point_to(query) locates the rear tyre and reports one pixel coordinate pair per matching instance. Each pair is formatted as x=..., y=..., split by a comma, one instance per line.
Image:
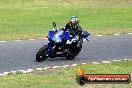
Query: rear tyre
x=42, y=54
x=73, y=53
x=70, y=55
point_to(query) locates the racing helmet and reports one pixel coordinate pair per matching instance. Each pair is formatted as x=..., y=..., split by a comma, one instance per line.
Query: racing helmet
x=74, y=22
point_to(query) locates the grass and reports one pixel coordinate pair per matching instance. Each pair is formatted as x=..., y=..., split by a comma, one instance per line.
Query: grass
x=65, y=78
x=23, y=19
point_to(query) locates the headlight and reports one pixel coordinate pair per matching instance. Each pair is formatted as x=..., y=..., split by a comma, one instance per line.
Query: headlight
x=57, y=40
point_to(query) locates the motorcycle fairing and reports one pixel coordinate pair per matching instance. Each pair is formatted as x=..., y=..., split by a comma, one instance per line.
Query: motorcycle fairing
x=85, y=34
x=67, y=35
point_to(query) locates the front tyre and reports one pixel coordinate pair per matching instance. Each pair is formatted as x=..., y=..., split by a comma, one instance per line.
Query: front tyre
x=42, y=54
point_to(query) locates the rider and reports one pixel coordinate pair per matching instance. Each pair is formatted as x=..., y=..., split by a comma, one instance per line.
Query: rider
x=73, y=27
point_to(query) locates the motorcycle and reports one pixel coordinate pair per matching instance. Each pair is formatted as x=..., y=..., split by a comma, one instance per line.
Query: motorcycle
x=58, y=46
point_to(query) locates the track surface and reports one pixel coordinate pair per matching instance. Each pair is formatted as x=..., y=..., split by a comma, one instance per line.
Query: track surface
x=21, y=55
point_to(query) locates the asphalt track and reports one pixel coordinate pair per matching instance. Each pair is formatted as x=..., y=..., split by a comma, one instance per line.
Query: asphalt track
x=21, y=55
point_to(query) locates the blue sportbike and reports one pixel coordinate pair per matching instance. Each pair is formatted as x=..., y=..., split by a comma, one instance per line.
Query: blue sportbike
x=61, y=44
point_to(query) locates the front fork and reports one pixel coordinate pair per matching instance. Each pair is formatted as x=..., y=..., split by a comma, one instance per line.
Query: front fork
x=50, y=48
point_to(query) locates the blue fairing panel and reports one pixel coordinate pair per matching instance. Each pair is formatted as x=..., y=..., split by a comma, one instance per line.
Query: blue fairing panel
x=66, y=35
x=85, y=34
x=51, y=33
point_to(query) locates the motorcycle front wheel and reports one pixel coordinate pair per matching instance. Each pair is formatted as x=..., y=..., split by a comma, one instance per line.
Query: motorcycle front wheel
x=42, y=54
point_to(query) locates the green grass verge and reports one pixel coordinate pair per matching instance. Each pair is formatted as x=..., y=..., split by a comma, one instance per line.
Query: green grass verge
x=23, y=19
x=65, y=78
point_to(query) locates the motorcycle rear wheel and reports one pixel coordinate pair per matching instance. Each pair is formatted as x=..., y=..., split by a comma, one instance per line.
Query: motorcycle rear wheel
x=73, y=54
x=69, y=57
